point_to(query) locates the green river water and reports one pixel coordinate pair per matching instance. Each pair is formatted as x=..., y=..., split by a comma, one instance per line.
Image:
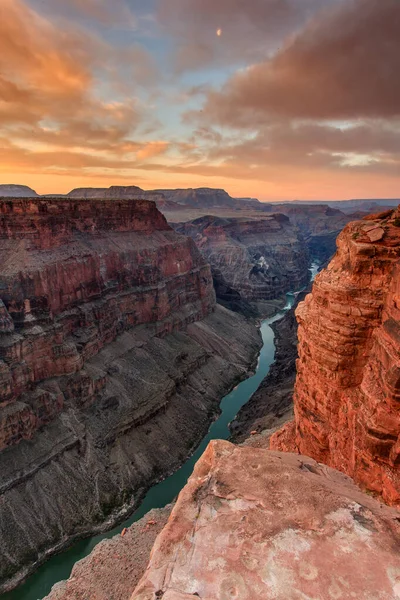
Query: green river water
x=59, y=566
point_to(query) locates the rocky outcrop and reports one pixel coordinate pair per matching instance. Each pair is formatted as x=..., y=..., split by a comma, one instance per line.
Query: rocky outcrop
x=115, y=566
x=113, y=359
x=252, y=261
x=347, y=389
x=258, y=525
x=16, y=191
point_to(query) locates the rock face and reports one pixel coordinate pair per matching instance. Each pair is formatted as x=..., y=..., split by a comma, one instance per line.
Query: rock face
x=17, y=191
x=252, y=261
x=258, y=525
x=115, y=566
x=319, y=225
x=113, y=360
x=347, y=389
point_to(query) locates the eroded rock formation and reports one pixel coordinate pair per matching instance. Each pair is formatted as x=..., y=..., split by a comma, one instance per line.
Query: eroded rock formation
x=347, y=393
x=319, y=225
x=252, y=261
x=258, y=525
x=113, y=359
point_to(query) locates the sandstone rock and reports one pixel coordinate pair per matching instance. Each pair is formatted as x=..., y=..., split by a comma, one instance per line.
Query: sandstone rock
x=116, y=366
x=259, y=260
x=258, y=525
x=348, y=374
x=115, y=566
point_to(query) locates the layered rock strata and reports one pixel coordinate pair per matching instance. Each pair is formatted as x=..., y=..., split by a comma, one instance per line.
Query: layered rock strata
x=319, y=225
x=252, y=261
x=347, y=392
x=113, y=359
x=231, y=534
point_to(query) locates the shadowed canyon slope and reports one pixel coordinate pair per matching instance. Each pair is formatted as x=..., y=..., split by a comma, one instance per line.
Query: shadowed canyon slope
x=252, y=261
x=231, y=535
x=319, y=225
x=347, y=389
x=113, y=359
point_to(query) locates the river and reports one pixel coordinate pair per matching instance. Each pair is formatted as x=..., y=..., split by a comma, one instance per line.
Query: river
x=59, y=566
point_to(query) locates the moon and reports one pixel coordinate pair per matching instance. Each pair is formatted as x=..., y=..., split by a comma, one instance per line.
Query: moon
x=219, y=32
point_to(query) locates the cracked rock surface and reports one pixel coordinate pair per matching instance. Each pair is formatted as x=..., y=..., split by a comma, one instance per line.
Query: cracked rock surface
x=254, y=524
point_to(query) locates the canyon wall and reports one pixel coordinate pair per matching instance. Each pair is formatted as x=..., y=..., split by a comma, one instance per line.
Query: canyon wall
x=347, y=392
x=252, y=261
x=113, y=359
x=318, y=224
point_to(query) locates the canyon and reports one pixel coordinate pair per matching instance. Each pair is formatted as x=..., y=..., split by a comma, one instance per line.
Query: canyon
x=347, y=387
x=113, y=360
x=230, y=533
x=271, y=406
x=253, y=262
x=114, y=356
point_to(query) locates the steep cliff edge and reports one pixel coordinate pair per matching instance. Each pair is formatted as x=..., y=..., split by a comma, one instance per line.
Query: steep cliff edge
x=347, y=392
x=113, y=359
x=258, y=525
x=252, y=261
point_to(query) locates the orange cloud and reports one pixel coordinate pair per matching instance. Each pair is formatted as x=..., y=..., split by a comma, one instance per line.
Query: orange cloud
x=152, y=149
x=49, y=106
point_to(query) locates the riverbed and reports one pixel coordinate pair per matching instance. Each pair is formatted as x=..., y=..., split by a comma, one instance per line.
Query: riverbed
x=59, y=566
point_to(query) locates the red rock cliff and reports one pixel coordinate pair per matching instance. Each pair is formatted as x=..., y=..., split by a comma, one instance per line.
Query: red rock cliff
x=347, y=392
x=75, y=274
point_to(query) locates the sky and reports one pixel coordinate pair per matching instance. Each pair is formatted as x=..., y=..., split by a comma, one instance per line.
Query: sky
x=274, y=99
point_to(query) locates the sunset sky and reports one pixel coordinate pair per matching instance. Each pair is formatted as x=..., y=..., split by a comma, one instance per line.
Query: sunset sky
x=275, y=99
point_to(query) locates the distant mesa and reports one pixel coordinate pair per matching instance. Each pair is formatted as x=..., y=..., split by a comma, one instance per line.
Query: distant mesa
x=17, y=191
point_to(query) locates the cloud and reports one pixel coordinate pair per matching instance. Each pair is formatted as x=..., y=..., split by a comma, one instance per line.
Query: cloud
x=153, y=149
x=249, y=30
x=51, y=106
x=343, y=65
x=103, y=12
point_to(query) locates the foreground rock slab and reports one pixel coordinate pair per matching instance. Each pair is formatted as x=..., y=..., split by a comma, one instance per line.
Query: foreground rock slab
x=253, y=524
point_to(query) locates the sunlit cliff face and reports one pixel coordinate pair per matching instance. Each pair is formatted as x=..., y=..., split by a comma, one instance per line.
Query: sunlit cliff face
x=277, y=99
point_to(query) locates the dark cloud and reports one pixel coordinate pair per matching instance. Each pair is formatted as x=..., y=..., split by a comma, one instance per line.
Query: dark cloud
x=249, y=29
x=343, y=65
